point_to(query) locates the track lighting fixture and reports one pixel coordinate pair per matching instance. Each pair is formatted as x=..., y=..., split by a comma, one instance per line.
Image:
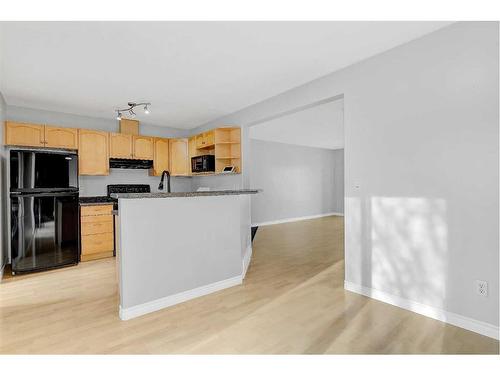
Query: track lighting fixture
x=130, y=109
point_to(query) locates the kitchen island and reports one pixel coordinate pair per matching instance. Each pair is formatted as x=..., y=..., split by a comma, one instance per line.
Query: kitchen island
x=172, y=247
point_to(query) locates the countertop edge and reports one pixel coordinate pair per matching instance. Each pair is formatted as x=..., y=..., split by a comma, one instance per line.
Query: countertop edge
x=95, y=203
x=187, y=194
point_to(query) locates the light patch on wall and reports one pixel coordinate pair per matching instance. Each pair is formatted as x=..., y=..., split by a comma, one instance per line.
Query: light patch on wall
x=409, y=248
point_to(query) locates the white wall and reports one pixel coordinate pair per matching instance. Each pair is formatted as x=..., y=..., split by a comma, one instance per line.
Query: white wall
x=421, y=133
x=319, y=126
x=297, y=181
x=96, y=185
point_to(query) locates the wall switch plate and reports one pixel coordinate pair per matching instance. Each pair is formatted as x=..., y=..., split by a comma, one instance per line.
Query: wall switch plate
x=482, y=288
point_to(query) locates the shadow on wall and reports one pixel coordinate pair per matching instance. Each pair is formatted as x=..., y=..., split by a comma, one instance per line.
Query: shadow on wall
x=404, y=249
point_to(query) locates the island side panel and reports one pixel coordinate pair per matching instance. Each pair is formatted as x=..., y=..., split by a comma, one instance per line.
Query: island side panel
x=173, y=245
x=245, y=227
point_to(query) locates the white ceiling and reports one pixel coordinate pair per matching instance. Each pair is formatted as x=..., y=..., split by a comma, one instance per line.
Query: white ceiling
x=319, y=126
x=192, y=72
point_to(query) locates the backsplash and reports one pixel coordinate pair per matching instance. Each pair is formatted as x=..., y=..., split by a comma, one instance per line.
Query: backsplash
x=96, y=185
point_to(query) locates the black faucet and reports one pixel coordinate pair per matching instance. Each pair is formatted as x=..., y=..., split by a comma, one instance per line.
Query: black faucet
x=160, y=187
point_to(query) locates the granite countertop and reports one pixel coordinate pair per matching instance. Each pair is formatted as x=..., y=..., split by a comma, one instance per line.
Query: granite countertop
x=185, y=194
x=96, y=201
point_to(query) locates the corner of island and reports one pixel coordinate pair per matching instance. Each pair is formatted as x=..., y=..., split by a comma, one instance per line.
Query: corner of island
x=176, y=249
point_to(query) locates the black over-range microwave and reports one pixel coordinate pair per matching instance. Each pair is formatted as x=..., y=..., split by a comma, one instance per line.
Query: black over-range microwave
x=203, y=163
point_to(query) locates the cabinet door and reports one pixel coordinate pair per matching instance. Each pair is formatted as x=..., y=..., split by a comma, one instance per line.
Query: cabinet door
x=97, y=238
x=120, y=146
x=200, y=142
x=161, y=156
x=179, y=157
x=93, y=152
x=192, y=147
x=192, y=151
x=61, y=137
x=24, y=134
x=209, y=138
x=143, y=147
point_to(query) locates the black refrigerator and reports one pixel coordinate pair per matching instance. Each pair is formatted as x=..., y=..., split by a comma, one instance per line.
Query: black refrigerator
x=44, y=219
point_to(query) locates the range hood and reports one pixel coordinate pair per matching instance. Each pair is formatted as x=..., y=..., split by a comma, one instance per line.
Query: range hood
x=130, y=163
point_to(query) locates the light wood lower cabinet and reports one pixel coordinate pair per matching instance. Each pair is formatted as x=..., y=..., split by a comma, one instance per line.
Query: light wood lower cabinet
x=99, y=243
x=24, y=134
x=93, y=152
x=178, y=150
x=97, y=227
x=97, y=237
x=61, y=137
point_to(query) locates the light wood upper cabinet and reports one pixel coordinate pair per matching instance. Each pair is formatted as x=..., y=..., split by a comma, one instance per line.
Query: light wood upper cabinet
x=96, y=147
x=205, y=140
x=192, y=151
x=93, y=152
x=161, y=156
x=24, y=134
x=143, y=147
x=199, y=141
x=129, y=126
x=61, y=137
x=179, y=157
x=209, y=138
x=127, y=146
x=120, y=146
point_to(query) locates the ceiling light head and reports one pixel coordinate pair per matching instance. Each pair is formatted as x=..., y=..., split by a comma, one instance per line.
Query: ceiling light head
x=130, y=109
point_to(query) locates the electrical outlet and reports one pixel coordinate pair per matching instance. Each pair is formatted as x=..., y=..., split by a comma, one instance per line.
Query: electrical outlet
x=482, y=288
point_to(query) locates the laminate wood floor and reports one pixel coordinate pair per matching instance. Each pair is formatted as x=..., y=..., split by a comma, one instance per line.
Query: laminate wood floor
x=292, y=301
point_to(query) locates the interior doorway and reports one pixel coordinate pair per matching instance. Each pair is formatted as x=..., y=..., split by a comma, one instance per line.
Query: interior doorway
x=298, y=160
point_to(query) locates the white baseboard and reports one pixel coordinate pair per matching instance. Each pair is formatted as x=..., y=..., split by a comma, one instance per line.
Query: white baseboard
x=461, y=321
x=161, y=303
x=246, y=260
x=292, y=219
